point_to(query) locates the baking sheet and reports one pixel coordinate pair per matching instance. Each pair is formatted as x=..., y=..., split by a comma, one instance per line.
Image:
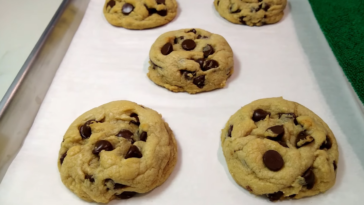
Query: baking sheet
x=105, y=63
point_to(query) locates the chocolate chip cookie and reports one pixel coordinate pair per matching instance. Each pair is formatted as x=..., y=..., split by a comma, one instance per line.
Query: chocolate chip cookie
x=116, y=150
x=140, y=14
x=280, y=149
x=190, y=60
x=251, y=12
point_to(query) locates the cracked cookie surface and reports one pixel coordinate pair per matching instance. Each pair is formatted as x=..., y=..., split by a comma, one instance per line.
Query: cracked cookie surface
x=251, y=12
x=190, y=60
x=139, y=14
x=116, y=151
x=280, y=149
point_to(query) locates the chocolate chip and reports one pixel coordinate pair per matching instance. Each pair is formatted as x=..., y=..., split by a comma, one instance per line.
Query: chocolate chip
x=295, y=121
x=127, y=8
x=136, y=122
x=200, y=61
x=176, y=39
x=192, y=30
x=278, y=130
x=188, y=44
x=335, y=166
x=275, y=196
x=283, y=143
x=326, y=144
x=188, y=74
x=266, y=7
x=126, y=195
x=161, y=1
x=167, y=49
x=309, y=177
x=162, y=12
x=234, y=12
x=102, y=145
x=62, y=157
x=199, y=37
x=242, y=20
x=249, y=188
x=292, y=196
x=126, y=134
x=218, y=2
x=210, y=64
x=208, y=50
x=273, y=160
x=230, y=130
x=260, y=1
x=259, y=7
x=199, y=81
x=259, y=115
x=303, y=139
x=133, y=152
x=85, y=130
x=90, y=178
x=143, y=136
x=119, y=186
x=111, y=3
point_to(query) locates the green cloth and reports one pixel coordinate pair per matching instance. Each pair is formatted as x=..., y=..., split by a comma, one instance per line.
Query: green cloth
x=342, y=22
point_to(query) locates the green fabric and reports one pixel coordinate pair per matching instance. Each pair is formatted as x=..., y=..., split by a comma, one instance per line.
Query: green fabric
x=342, y=22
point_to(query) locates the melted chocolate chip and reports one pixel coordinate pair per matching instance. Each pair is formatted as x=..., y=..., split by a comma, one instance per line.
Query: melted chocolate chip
x=266, y=7
x=136, y=122
x=143, y=136
x=119, y=186
x=310, y=178
x=260, y=1
x=249, y=188
x=295, y=121
x=126, y=134
x=62, y=158
x=275, y=196
x=259, y=7
x=188, y=74
x=111, y=3
x=199, y=81
x=283, y=143
x=208, y=50
x=292, y=196
x=200, y=61
x=102, y=145
x=218, y=2
x=335, y=166
x=126, y=195
x=85, y=130
x=303, y=136
x=192, y=30
x=127, y=8
x=278, y=130
x=326, y=144
x=273, y=160
x=154, y=11
x=161, y=1
x=234, y=12
x=188, y=44
x=199, y=37
x=230, y=130
x=176, y=39
x=242, y=20
x=259, y=115
x=133, y=153
x=210, y=64
x=90, y=178
x=167, y=49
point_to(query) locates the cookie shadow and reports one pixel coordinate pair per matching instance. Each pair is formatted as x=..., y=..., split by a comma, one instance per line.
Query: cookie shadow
x=237, y=67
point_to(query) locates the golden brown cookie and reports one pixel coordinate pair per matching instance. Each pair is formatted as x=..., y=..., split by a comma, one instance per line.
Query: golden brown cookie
x=116, y=151
x=280, y=149
x=190, y=60
x=139, y=14
x=251, y=12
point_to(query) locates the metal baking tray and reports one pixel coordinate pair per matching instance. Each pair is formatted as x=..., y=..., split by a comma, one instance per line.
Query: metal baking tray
x=21, y=103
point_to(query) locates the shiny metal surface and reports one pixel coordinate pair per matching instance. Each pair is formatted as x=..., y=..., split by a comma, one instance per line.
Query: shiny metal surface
x=21, y=103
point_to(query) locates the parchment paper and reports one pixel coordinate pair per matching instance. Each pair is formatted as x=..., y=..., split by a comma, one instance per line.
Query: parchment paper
x=106, y=63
